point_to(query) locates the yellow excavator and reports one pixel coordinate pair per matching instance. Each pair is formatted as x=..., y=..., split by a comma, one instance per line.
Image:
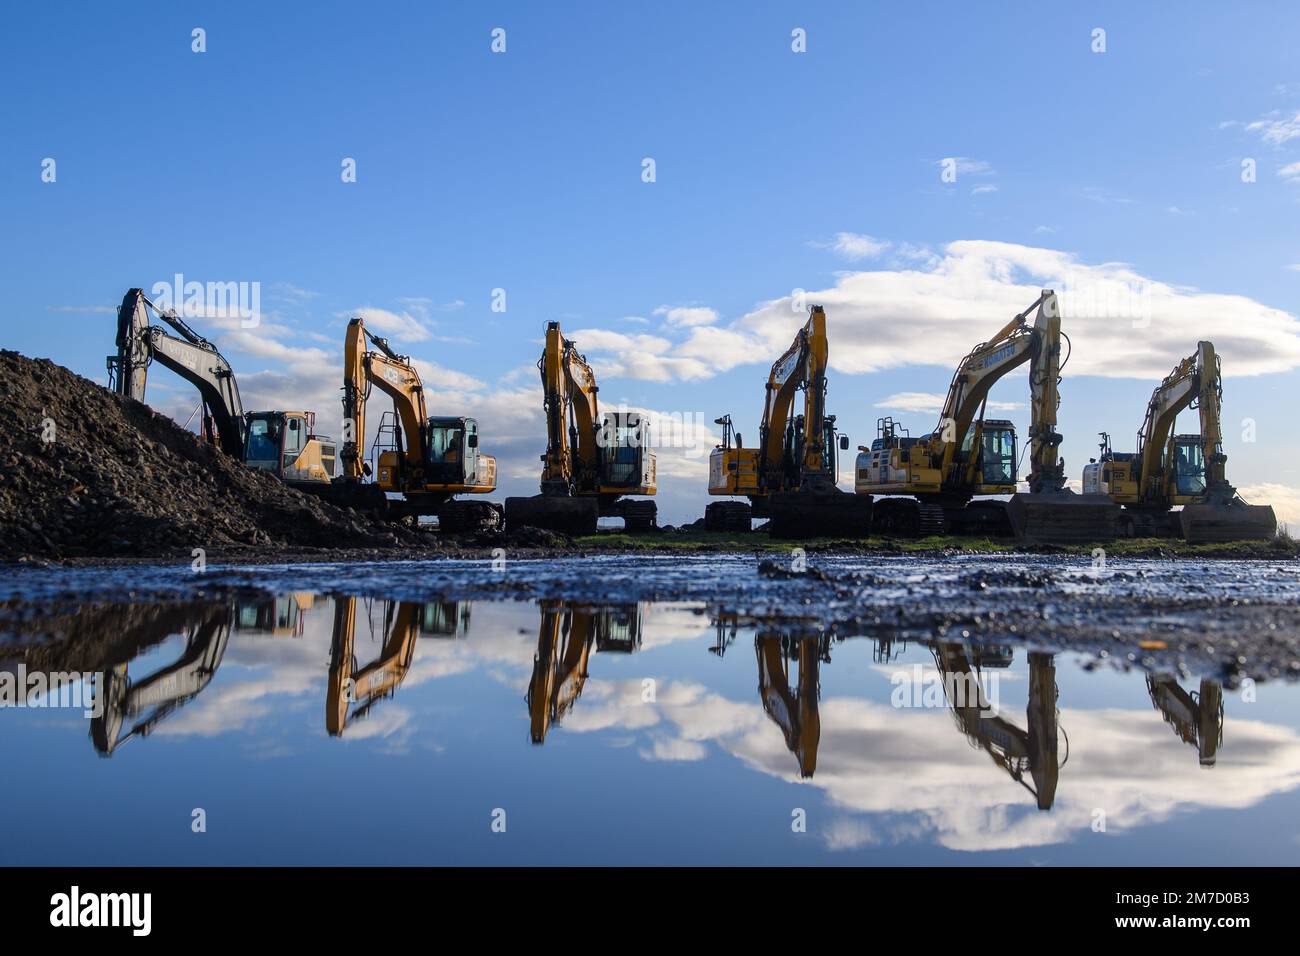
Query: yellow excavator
x=365, y=686
x=592, y=462
x=1196, y=717
x=793, y=708
x=790, y=478
x=426, y=460
x=1187, y=470
x=1032, y=752
x=568, y=633
x=931, y=480
x=283, y=443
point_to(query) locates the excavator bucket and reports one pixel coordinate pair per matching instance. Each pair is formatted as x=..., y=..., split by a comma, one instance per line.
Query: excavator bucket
x=1235, y=521
x=1062, y=517
x=575, y=516
x=806, y=514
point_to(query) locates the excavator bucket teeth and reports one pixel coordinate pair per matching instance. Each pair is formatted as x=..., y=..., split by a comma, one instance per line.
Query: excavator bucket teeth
x=1063, y=518
x=1231, y=522
x=803, y=514
x=553, y=513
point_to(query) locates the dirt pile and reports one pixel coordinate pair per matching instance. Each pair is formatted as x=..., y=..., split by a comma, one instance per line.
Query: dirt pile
x=86, y=473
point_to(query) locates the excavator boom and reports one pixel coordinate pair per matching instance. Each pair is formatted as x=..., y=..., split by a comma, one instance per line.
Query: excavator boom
x=186, y=353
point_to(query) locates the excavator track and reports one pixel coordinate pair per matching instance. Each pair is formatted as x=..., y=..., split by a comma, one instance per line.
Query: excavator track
x=728, y=516
x=460, y=517
x=638, y=514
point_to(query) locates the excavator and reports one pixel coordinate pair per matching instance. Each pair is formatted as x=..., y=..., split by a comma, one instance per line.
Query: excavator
x=592, y=463
x=564, y=644
x=790, y=478
x=793, y=709
x=1186, y=470
x=164, y=691
x=426, y=460
x=283, y=443
x=931, y=480
x=1196, y=717
x=349, y=684
x=1018, y=752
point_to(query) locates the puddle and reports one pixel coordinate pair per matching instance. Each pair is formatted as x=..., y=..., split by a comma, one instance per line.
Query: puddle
x=330, y=724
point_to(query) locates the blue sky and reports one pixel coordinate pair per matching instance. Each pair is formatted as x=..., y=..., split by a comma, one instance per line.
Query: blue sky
x=775, y=171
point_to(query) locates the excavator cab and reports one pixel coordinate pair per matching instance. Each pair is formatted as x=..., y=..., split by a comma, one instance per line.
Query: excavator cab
x=454, y=457
x=997, y=455
x=626, y=463
x=285, y=444
x=1188, y=457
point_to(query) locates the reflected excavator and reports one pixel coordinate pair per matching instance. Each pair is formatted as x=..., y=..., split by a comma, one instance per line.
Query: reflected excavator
x=934, y=481
x=793, y=708
x=165, y=690
x=283, y=443
x=428, y=461
x=564, y=643
x=365, y=686
x=1196, y=717
x=1187, y=470
x=281, y=616
x=790, y=478
x=592, y=463
x=1031, y=752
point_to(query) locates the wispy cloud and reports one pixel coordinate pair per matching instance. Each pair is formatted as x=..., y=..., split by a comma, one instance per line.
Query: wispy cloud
x=854, y=245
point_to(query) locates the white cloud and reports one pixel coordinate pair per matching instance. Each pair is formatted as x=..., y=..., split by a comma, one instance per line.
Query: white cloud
x=1120, y=323
x=984, y=188
x=855, y=245
x=1276, y=128
x=402, y=326
x=932, y=402
x=1290, y=172
x=687, y=315
x=1284, y=499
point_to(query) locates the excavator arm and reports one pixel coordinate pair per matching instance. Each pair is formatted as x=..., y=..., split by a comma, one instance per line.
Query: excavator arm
x=571, y=462
x=397, y=377
x=803, y=366
x=367, y=685
x=1015, y=343
x=187, y=353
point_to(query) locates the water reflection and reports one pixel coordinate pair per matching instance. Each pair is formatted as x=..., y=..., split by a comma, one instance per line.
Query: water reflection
x=1197, y=717
x=863, y=753
x=564, y=642
x=162, y=692
x=793, y=705
x=1019, y=752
